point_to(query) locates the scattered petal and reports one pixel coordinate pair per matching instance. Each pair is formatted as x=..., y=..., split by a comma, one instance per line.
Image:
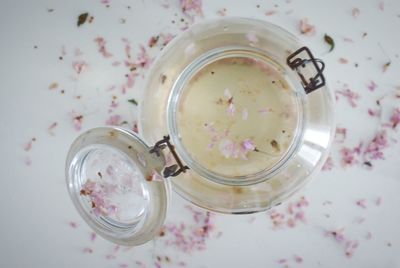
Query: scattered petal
x=87, y=250
x=93, y=236
x=306, y=28
x=191, y=8
x=361, y=203
x=51, y=128
x=381, y=5
x=77, y=120
x=102, y=47
x=222, y=12
x=28, y=145
x=350, y=95
x=251, y=37
x=231, y=109
x=374, y=113
x=355, y=12
x=340, y=135
x=395, y=118
x=328, y=165
x=298, y=259
x=114, y=120
x=372, y=86
x=79, y=66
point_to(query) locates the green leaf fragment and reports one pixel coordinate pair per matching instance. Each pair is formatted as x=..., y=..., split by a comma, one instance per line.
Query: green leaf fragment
x=133, y=101
x=329, y=41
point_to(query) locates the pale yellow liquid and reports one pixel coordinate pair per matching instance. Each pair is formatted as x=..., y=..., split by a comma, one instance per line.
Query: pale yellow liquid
x=254, y=88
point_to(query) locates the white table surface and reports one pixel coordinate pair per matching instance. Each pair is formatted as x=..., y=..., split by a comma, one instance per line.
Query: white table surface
x=36, y=211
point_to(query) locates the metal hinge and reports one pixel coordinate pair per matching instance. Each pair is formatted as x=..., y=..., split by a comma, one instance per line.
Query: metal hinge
x=296, y=62
x=174, y=170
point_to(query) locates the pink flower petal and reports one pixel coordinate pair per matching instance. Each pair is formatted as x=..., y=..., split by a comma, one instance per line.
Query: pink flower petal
x=270, y=12
x=245, y=114
x=306, y=28
x=251, y=37
x=102, y=47
x=355, y=12
x=372, y=86
x=79, y=66
x=191, y=7
x=231, y=109
x=361, y=203
x=381, y=5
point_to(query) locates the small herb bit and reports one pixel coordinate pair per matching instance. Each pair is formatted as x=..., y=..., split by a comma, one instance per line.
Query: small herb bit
x=100, y=175
x=368, y=163
x=386, y=66
x=50, y=10
x=395, y=118
x=364, y=34
x=275, y=145
x=251, y=37
x=372, y=86
x=163, y=78
x=82, y=18
x=53, y=85
x=329, y=41
x=270, y=12
x=162, y=232
x=133, y=101
x=153, y=41
x=245, y=114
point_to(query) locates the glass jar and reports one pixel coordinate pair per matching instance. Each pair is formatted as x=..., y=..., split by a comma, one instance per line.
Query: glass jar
x=236, y=116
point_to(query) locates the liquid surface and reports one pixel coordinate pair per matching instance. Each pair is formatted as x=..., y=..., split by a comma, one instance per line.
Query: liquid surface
x=237, y=116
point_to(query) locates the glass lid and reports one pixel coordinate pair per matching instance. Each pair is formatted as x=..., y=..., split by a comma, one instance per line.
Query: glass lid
x=115, y=184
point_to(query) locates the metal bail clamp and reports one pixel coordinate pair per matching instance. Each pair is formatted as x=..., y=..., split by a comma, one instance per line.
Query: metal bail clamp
x=171, y=171
x=296, y=62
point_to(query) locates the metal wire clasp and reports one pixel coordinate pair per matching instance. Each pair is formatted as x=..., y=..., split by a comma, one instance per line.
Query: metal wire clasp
x=296, y=62
x=173, y=170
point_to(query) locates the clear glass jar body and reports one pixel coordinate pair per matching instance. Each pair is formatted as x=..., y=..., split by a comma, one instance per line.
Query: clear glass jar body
x=204, y=44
